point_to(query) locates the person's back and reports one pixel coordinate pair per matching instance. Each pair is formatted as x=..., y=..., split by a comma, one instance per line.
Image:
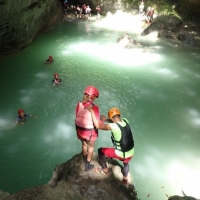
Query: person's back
x=122, y=141
x=122, y=136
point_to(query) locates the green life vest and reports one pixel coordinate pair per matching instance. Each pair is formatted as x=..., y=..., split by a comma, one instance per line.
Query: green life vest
x=126, y=142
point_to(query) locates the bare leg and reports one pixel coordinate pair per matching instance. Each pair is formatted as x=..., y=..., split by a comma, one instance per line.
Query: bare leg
x=84, y=147
x=90, y=150
x=84, y=150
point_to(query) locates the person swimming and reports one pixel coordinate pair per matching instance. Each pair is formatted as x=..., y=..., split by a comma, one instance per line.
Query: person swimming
x=56, y=79
x=22, y=117
x=49, y=60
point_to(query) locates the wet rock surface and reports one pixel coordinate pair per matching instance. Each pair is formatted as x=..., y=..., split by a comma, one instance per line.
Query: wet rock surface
x=70, y=181
x=181, y=198
x=187, y=33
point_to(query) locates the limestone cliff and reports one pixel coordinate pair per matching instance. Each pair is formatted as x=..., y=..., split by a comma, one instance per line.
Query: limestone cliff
x=21, y=20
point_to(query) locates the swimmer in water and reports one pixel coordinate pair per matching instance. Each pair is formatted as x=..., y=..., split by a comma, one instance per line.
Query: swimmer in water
x=22, y=117
x=49, y=60
x=56, y=79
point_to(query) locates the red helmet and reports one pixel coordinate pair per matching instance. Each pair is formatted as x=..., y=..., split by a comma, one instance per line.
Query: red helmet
x=50, y=57
x=56, y=75
x=20, y=111
x=91, y=90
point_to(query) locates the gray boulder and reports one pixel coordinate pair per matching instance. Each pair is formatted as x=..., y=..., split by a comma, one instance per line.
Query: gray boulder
x=171, y=27
x=181, y=198
x=124, y=41
x=70, y=181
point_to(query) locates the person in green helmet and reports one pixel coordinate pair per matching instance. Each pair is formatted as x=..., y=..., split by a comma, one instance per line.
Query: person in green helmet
x=122, y=139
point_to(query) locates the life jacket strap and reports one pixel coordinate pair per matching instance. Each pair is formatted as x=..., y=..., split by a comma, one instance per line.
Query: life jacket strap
x=85, y=129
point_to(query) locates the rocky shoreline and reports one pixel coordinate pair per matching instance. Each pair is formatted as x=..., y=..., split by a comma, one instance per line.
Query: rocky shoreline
x=184, y=33
x=70, y=182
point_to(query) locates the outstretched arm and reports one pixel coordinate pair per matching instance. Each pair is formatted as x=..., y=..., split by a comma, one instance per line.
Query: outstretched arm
x=96, y=122
x=101, y=119
x=31, y=115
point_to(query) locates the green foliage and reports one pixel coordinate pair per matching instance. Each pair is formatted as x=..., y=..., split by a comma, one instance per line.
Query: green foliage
x=161, y=7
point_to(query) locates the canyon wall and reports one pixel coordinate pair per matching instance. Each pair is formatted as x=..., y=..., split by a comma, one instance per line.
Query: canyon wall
x=21, y=20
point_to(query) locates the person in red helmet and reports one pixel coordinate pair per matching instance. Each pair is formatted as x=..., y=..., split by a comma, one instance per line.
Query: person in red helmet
x=56, y=79
x=49, y=60
x=86, y=132
x=22, y=117
x=122, y=139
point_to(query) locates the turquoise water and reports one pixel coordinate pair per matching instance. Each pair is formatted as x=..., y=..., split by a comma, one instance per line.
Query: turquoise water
x=156, y=86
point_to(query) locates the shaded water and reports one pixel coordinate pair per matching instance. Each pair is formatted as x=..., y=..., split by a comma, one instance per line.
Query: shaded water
x=156, y=87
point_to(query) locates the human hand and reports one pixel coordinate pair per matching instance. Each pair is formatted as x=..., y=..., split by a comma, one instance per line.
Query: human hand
x=33, y=116
x=90, y=108
x=22, y=123
x=103, y=118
